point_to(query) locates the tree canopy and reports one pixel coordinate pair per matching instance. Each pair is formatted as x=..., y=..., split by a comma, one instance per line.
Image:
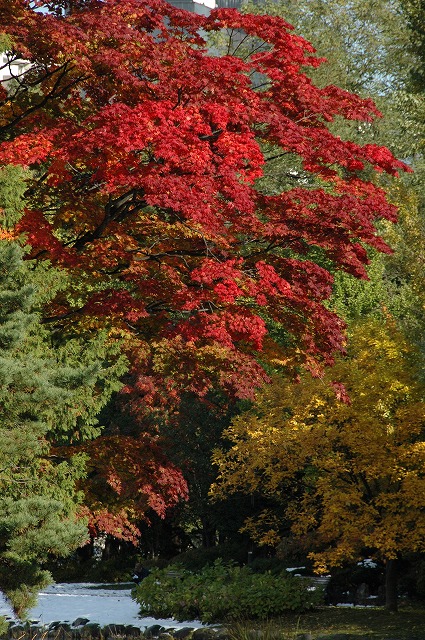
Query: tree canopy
x=144, y=157
x=146, y=149
x=348, y=470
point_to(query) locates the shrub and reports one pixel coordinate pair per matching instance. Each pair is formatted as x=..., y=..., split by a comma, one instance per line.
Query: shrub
x=196, y=559
x=344, y=582
x=275, y=566
x=118, y=569
x=223, y=592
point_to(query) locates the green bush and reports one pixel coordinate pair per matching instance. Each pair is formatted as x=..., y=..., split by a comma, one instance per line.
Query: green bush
x=197, y=559
x=118, y=569
x=264, y=565
x=223, y=592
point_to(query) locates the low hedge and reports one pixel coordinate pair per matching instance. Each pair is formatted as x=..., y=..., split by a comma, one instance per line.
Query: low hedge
x=223, y=592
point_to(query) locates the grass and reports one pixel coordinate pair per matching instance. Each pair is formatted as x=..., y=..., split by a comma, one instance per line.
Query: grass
x=335, y=623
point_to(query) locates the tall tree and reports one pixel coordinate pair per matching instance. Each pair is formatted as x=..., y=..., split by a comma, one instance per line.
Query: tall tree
x=49, y=394
x=357, y=464
x=46, y=395
x=147, y=150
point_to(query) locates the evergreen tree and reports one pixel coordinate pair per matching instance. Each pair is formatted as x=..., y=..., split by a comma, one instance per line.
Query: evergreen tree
x=48, y=395
x=37, y=495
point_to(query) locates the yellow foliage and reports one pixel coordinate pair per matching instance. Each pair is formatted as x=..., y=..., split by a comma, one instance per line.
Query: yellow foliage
x=358, y=466
x=6, y=235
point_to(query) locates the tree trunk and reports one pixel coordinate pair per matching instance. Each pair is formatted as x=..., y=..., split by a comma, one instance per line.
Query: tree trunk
x=391, y=579
x=209, y=533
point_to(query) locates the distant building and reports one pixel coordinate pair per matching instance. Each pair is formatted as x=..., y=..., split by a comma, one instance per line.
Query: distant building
x=229, y=4
x=9, y=70
x=203, y=7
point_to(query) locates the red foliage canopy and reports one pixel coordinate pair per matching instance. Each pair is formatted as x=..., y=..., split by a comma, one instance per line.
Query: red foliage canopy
x=132, y=477
x=146, y=150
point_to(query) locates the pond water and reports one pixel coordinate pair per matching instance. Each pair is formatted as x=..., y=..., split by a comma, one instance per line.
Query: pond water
x=104, y=604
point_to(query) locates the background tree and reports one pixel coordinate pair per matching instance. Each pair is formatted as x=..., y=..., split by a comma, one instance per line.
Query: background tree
x=370, y=42
x=358, y=463
x=414, y=14
x=192, y=437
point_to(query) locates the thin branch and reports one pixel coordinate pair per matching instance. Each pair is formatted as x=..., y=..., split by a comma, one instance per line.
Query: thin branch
x=240, y=43
x=230, y=41
x=116, y=210
x=264, y=84
x=53, y=94
x=179, y=98
x=212, y=136
x=254, y=50
x=279, y=155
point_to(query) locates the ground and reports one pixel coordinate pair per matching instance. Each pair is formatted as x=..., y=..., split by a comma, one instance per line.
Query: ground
x=66, y=602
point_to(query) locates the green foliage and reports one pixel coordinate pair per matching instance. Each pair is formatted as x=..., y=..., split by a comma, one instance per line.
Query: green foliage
x=22, y=594
x=369, y=40
x=46, y=395
x=196, y=559
x=353, y=299
x=12, y=189
x=414, y=12
x=37, y=494
x=223, y=592
x=5, y=42
x=4, y=625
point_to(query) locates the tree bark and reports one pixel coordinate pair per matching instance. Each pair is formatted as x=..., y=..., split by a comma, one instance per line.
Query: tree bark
x=391, y=579
x=209, y=533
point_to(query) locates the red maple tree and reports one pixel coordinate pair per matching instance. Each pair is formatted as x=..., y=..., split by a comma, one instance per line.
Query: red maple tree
x=146, y=149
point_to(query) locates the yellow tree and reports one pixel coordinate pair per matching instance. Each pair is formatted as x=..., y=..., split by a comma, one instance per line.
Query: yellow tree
x=359, y=461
